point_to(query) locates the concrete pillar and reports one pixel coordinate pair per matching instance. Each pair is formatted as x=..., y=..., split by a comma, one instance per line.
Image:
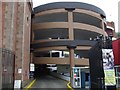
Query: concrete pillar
x=71, y=37
x=70, y=22
x=103, y=27
x=72, y=62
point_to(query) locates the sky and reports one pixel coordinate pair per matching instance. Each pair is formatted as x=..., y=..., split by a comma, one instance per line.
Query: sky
x=110, y=7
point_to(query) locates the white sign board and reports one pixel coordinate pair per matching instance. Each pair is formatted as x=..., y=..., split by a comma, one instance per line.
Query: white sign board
x=32, y=67
x=19, y=70
x=17, y=84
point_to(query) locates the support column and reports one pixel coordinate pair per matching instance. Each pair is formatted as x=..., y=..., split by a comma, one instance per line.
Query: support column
x=103, y=27
x=70, y=22
x=71, y=37
x=72, y=61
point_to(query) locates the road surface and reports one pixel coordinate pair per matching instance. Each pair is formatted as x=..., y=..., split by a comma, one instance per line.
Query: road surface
x=49, y=82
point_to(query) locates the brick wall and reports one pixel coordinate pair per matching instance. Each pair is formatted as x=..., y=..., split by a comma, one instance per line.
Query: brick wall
x=110, y=28
x=15, y=27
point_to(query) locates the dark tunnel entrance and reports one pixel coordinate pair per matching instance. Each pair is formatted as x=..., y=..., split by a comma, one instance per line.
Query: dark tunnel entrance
x=41, y=70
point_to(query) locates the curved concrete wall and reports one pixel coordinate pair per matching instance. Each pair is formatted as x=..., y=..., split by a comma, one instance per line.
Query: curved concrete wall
x=58, y=25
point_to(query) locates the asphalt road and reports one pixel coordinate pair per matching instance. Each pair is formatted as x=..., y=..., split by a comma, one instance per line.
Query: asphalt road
x=49, y=82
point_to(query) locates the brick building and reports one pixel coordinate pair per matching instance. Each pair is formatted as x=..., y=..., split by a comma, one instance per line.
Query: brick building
x=110, y=28
x=15, y=26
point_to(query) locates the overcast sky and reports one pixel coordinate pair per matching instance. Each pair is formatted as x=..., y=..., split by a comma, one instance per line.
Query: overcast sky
x=110, y=7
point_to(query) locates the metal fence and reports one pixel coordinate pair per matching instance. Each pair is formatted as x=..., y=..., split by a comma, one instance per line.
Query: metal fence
x=7, y=68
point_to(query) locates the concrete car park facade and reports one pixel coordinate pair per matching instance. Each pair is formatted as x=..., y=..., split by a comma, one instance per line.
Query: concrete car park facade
x=65, y=26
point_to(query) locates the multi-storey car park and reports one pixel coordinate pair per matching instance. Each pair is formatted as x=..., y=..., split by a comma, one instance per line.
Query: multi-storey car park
x=64, y=32
x=62, y=35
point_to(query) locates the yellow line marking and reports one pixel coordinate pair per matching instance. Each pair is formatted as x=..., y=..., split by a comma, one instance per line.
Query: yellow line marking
x=68, y=85
x=30, y=84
